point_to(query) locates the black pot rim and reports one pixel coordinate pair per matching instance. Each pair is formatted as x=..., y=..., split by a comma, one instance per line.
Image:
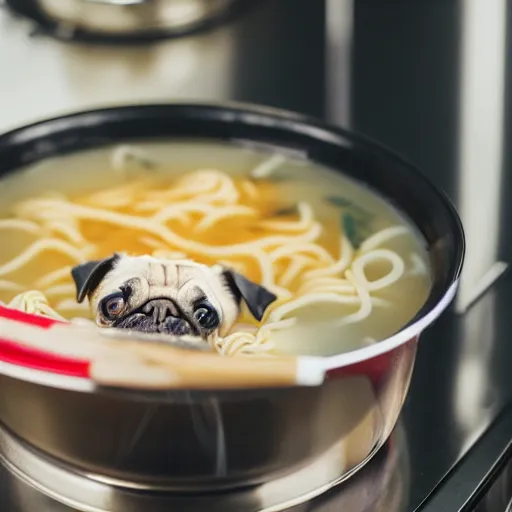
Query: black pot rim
x=46, y=138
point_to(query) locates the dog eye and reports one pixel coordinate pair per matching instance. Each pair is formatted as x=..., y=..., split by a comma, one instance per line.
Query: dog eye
x=206, y=316
x=113, y=305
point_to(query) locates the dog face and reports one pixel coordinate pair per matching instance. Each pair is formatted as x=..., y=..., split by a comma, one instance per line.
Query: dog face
x=152, y=295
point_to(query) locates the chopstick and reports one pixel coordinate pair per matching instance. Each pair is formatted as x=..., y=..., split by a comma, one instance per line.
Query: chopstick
x=116, y=359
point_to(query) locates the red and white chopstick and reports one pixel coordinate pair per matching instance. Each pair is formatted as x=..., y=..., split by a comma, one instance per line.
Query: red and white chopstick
x=117, y=359
x=14, y=351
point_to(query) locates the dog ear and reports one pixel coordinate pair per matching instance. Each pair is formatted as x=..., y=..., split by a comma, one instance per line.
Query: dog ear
x=257, y=298
x=88, y=276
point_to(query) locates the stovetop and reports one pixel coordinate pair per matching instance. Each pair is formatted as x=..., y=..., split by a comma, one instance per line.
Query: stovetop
x=432, y=80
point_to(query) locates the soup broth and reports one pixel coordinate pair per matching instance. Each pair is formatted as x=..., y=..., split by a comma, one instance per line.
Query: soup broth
x=348, y=269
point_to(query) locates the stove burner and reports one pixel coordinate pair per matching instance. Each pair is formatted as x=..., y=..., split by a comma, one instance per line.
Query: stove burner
x=66, y=31
x=31, y=481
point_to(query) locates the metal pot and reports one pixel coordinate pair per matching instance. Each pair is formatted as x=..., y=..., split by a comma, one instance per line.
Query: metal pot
x=37, y=484
x=211, y=439
x=123, y=17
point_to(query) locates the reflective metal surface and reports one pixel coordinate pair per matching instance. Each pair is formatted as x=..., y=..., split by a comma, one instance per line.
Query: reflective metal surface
x=32, y=482
x=423, y=77
x=190, y=442
x=481, y=481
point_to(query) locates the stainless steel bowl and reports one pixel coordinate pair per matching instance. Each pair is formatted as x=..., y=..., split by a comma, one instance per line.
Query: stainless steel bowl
x=37, y=483
x=211, y=439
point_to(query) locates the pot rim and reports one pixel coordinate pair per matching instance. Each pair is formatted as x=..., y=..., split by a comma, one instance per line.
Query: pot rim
x=266, y=118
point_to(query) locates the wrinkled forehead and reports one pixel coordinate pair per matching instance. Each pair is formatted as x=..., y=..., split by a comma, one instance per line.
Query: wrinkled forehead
x=161, y=274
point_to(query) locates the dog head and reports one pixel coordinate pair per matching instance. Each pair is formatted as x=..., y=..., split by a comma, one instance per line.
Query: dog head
x=153, y=295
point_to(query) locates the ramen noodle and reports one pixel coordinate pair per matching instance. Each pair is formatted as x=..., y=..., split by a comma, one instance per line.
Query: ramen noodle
x=345, y=266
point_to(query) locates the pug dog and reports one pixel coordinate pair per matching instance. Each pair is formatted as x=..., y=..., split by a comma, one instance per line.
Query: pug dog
x=180, y=298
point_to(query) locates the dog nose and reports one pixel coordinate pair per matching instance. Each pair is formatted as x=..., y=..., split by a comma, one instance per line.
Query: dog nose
x=166, y=317
x=160, y=309
x=175, y=326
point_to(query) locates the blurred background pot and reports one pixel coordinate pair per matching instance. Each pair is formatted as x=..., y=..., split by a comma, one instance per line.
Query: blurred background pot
x=128, y=18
